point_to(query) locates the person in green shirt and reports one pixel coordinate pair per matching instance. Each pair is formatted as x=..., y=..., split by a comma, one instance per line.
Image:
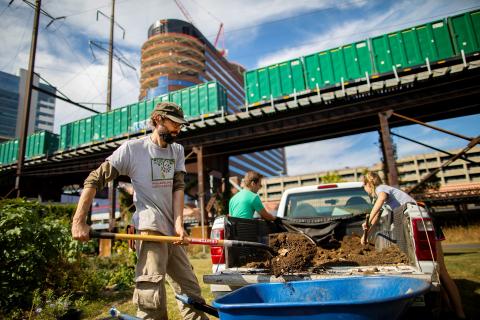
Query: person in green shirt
x=245, y=202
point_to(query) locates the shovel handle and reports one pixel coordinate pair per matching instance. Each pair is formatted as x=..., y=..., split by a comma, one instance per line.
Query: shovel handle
x=153, y=238
x=365, y=231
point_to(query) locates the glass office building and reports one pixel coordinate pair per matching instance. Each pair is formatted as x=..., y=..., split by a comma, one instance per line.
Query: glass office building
x=12, y=91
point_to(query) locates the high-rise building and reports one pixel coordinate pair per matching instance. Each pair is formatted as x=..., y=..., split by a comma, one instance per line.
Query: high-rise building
x=12, y=92
x=177, y=55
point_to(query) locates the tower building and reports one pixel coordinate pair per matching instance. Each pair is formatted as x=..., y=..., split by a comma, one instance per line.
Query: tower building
x=177, y=55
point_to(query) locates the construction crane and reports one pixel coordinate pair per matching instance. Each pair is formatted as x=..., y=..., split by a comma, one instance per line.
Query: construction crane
x=222, y=51
x=184, y=11
x=189, y=18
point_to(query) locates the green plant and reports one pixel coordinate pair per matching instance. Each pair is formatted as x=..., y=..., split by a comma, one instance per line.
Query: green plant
x=331, y=177
x=47, y=306
x=37, y=252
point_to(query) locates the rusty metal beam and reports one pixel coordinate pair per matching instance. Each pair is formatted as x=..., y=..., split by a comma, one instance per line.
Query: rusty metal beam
x=433, y=148
x=472, y=144
x=433, y=127
x=389, y=161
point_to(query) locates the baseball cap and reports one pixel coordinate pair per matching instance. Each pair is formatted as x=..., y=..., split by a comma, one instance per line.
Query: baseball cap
x=172, y=111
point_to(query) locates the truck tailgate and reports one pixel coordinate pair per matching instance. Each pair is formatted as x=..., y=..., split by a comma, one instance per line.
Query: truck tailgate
x=238, y=277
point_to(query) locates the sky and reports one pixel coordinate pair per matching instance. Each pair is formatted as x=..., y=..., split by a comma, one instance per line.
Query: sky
x=256, y=33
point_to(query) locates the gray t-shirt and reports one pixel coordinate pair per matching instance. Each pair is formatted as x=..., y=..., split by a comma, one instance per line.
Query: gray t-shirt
x=396, y=197
x=151, y=169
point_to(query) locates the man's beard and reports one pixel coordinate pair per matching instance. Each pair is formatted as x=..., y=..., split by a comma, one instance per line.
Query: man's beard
x=167, y=137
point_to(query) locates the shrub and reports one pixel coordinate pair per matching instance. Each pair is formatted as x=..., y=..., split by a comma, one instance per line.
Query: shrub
x=37, y=252
x=42, y=267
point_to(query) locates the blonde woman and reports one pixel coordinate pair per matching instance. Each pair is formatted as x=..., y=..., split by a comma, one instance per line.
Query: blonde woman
x=392, y=197
x=395, y=198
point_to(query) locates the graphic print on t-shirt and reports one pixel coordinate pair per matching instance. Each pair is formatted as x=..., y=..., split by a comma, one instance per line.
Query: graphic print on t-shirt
x=162, y=172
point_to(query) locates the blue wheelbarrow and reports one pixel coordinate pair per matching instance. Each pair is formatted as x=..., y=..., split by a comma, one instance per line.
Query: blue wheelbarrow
x=347, y=298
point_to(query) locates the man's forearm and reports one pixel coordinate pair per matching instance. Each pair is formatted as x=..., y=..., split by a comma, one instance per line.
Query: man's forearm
x=266, y=215
x=178, y=204
x=84, y=204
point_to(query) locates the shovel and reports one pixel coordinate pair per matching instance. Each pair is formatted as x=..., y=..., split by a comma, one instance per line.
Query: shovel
x=365, y=231
x=171, y=239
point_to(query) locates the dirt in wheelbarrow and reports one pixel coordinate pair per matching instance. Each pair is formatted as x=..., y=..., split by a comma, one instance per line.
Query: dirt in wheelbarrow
x=296, y=253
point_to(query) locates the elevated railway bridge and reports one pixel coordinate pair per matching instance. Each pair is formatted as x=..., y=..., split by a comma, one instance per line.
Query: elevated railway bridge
x=426, y=94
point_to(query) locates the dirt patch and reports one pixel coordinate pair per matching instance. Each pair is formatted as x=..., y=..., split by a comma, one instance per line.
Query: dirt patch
x=351, y=253
x=295, y=253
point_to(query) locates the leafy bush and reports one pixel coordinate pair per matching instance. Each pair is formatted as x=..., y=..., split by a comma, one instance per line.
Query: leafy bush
x=42, y=267
x=37, y=251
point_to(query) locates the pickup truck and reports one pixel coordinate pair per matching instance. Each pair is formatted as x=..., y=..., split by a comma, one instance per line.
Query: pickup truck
x=343, y=207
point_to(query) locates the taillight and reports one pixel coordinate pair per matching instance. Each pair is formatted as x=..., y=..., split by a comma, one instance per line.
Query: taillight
x=217, y=253
x=327, y=186
x=423, y=234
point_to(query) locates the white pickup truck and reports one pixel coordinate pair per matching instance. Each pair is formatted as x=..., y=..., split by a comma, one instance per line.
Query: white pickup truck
x=342, y=206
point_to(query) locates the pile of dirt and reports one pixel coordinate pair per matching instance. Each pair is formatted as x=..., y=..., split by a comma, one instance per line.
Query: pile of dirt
x=350, y=252
x=296, y=253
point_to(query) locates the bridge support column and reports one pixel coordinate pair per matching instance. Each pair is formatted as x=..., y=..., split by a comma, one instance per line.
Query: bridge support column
x=387, y=149
x=112, y=200
x=201, y=188
x=106, y=244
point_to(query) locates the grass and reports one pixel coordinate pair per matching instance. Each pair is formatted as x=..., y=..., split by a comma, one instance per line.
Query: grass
x=464, y=267
x=457, y=235
x=462, y=264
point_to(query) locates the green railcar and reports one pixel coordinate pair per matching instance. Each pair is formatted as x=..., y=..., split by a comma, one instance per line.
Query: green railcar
x=252, y=92
x=134, y=117
x=120, y=121
x=203, y=103
x=97, y=127
x=66, y=131
x=75, y=134
x=150, y=105
x=282, y=79
x=411, y=47
x=81, y=132
x=29, y=146
x=142, y=111
x=87, y=130
x=38, y=144
x=44, y=143
x=185, y=101
x=2, y=148
x=215, y=99
x=194, y=102
x=11, y=152
x=176, y=97
x=357, y=60
x=110, y=124
x=465, y=31
x=3, y=153
x=331, y=67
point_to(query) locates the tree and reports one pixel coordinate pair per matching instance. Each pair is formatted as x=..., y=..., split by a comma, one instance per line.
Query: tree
x=331, y=178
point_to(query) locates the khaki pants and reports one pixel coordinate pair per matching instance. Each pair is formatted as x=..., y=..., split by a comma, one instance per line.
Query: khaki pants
x=157, y=262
